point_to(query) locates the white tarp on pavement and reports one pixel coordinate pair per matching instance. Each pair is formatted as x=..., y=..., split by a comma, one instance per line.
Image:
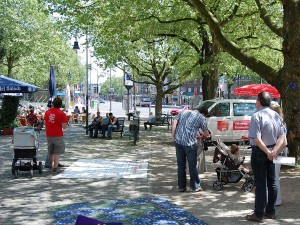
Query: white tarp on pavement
x=105, y=168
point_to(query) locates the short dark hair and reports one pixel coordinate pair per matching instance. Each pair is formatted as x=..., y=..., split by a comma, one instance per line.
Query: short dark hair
x=264, y=98
x=203, y=111
x=57, y=102
x=110, y=114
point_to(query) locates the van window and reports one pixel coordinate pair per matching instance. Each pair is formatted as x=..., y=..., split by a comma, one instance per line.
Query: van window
x=244, y=109
x=221, y=109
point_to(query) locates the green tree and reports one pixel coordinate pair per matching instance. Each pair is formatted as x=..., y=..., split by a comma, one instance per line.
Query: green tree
x=117, y=83
x=33, y=42
x=161, y=63
x=282, y=18
x=2, y=48
x=117, y=36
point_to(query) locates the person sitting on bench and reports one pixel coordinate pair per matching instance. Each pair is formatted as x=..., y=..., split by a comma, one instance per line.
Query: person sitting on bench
x=150, y=120
x=104, y=125
x=96, y=122
x=114, y=124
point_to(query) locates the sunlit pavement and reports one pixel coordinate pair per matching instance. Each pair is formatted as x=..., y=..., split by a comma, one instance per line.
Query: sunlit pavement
x=27, y=200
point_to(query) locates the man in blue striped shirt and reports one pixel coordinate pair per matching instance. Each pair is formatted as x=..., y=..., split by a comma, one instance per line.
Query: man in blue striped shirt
x=185, y=129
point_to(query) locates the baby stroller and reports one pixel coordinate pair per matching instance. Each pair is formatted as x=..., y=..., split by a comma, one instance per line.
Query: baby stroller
x=25, y=146
x=230, y=172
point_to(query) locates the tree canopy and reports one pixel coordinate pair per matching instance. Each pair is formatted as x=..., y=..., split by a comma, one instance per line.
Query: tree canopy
x=282, y=21
x=32, y=43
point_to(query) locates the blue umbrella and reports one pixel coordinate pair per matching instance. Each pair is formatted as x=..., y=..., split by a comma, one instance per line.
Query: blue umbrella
x=9, y=85
x=52, y=85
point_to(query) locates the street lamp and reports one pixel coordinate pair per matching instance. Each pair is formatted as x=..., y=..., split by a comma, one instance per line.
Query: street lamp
x=76, y=47
x=87, y=84
x=149, y=91
x=110, y=92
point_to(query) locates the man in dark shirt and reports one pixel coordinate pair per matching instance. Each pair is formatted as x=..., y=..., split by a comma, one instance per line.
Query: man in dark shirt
x=96, y=122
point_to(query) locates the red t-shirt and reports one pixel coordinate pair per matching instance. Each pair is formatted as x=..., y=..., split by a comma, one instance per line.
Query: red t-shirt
x=31, y=119
x=54, y=118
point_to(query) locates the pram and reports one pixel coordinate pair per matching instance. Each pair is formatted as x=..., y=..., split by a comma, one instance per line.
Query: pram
x=25, y=146
x=230, y=172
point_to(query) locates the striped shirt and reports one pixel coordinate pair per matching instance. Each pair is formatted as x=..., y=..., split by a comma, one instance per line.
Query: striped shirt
x=188, y=126
x=266, y=125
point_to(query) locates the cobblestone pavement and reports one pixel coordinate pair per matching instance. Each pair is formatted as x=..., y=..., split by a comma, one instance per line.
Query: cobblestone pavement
x=27, y=200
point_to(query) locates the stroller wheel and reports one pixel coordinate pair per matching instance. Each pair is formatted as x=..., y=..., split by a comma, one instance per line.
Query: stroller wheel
x=31, y=170
x=248, y=186
x=14, y=170
x=218, y=185
x=40, y=167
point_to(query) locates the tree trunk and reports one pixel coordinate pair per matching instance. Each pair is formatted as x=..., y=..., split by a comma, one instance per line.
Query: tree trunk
x=10, y=63
x=209, y=77
x=159, y=97
x=291, y=74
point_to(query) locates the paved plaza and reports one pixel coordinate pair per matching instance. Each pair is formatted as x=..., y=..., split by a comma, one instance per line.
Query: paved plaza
x=28, y=200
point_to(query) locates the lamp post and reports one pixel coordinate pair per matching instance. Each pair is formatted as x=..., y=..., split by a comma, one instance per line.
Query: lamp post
x=87, y=85
x=76, y=47
x=149, y=91
x=110, y=92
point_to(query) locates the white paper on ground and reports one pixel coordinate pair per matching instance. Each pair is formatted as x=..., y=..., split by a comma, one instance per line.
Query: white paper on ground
x=283, y=160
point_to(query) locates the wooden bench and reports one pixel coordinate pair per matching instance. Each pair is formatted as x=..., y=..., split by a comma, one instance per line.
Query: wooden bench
x=134, y=129
x=161, y=120
x=121, y=121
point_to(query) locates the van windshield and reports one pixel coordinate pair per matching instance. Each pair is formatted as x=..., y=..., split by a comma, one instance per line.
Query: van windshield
x=205, y=104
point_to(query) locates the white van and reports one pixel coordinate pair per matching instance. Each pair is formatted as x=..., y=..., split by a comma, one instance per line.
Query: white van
x=229, y=119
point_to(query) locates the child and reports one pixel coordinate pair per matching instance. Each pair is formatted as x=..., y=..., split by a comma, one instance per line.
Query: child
x=234, y=154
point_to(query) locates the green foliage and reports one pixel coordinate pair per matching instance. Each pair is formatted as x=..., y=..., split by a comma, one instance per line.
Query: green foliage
x=117, y=83
x=34, y=42
x=9, y=112
x=2, y=48
x=122, y=30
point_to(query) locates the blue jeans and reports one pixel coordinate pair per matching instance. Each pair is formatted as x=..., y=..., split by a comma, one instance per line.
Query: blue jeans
x=188, y=153
x=264, y=178
x=110, y=129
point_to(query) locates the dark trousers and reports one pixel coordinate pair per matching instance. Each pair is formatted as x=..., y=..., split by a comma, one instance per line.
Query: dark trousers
x=104, y=129
x=183, y=154
x=264, y=178
x=98, y=127
x=91, y=129
x=148, y=123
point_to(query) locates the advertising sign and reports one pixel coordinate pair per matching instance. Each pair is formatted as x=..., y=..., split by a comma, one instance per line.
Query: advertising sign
x=241, y=124
x=223, y=125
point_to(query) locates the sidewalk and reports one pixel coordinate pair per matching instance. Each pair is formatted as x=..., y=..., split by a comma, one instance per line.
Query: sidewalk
x=28, y=201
